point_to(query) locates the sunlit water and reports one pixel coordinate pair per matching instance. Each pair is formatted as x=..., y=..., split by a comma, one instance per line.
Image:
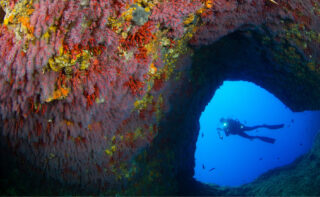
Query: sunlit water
x=234, y=160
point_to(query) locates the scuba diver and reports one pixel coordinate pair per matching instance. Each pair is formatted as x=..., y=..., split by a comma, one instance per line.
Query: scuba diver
x=234, y=127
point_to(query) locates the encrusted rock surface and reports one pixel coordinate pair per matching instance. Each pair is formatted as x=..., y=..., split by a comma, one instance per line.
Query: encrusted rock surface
x=100, y=100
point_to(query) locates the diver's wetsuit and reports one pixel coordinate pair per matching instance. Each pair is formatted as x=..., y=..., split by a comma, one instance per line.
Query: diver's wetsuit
x=234, y=127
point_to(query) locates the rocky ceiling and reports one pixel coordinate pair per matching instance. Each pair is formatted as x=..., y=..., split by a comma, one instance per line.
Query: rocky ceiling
x=104, y=97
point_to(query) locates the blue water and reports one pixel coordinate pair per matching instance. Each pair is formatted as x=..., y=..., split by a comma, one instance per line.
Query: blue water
x=238, y=160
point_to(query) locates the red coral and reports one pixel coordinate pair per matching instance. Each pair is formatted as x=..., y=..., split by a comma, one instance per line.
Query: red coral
x=92, y=97
x=140, y=38
x=170, y=14
x=135, y=86
x=26, y=83
x=142, y=55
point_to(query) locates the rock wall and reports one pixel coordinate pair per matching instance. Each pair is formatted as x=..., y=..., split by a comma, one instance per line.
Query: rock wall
x=299, y=177
x=105, y=96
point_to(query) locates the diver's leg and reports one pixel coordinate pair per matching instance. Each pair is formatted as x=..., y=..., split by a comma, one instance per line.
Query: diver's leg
x=278, y=126
x=265, y=139
x=245, y=128
x=247, y=136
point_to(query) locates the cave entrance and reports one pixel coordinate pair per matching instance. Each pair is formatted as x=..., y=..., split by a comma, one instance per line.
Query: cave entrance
x=240, y=55
x=234, y=160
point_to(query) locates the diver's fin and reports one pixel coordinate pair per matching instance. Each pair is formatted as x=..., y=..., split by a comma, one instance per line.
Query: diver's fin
x=267, y=139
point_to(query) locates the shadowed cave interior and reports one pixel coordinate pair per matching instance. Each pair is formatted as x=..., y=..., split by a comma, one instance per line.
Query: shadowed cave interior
x=2, y=14
x=242, y=55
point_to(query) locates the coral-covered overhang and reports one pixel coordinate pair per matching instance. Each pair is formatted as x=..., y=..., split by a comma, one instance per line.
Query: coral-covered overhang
x=107, y=94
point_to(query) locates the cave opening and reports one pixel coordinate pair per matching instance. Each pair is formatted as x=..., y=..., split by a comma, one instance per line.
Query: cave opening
x=242, y=55
x=234, y=160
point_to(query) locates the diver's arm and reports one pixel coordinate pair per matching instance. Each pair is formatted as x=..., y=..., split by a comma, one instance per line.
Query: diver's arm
x=219, y=133
x=226, y=131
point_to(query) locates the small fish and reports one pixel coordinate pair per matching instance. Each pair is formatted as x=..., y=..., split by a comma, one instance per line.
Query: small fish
x=260, y=158
x=202, y=135
x=300, y=144
x=203, y=167
x=292, y=120
x=211, y=169
x=273, y=1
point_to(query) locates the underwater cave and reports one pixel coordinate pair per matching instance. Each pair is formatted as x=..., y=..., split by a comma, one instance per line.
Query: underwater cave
x=234, y=160
x=106, y=97
x=239, y=56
